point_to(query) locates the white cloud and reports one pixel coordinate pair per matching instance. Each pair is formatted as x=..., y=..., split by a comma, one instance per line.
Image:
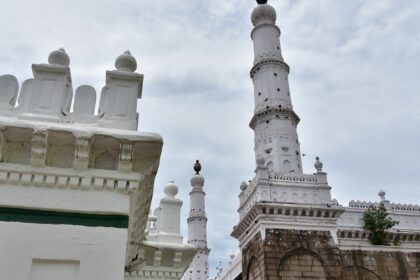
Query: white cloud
x=354, y=80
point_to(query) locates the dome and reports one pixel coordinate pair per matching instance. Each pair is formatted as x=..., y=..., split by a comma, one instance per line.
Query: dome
x=171, y=190
x=59, y=57
x=126, y=62
x=263, y=13
x=197, y=181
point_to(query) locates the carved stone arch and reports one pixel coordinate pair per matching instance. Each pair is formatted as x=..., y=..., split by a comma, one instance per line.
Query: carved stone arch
x=360, y=273
x=301, y=263
x=253, y=270
x=104, y=152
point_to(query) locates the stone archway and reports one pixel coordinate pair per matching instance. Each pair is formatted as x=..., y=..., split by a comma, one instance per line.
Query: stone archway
x=302, y=264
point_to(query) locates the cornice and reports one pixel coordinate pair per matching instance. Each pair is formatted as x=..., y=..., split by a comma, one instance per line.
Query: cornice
x=282, y=113
x=268, y=61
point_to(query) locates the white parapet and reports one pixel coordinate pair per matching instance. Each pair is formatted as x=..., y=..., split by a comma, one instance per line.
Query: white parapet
x=75, y=188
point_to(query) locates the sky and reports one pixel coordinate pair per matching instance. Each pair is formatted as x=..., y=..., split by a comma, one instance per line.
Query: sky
x=354, y=83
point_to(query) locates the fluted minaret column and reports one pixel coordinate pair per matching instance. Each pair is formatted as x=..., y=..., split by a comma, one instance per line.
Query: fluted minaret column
x=197, y=229
x=274, y=121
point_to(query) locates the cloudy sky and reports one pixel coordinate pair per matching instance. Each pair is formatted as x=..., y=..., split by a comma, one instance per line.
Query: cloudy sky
x=355, y=83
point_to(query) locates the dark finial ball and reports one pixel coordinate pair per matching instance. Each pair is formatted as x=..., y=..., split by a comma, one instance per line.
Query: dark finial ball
x=197, y=167
x=260, y=2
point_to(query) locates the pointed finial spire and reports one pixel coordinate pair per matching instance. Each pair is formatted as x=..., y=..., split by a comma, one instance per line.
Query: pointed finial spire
x=126, y=62
x=59, y=57
x=381, y=194
x=197, y=167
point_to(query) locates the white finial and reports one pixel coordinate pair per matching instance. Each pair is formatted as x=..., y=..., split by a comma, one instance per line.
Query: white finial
x=171, y=190
x=126, y=62
x=381, y=194
x=263, y=13
x=59, y=57
x=318, y=165
x=243, y=186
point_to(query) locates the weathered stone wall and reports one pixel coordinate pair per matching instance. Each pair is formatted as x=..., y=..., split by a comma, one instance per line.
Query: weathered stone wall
x=380, y=265
x=297, y=254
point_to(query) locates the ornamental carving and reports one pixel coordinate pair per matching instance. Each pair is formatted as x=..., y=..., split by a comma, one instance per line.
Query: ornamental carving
x=126, y=152
x=82, y=148
x=38, y=147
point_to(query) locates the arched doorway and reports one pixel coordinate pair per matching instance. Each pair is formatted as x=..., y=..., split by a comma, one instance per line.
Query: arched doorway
x=302, y=264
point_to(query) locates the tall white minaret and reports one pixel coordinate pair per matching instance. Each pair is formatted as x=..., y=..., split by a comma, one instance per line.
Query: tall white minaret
x=274, y=121
x=197, y=229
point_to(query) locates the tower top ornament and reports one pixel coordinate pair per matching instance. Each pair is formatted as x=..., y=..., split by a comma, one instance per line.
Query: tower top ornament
x=197, y=167
x=260, y=2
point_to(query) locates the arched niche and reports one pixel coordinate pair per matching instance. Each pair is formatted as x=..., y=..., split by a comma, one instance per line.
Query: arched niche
x=302, y=264
x=16, y=145
x=60, y=151
x=104, y=152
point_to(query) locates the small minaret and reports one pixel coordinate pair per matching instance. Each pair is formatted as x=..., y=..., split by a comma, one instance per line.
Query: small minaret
x=197, y=228
x=274, y=121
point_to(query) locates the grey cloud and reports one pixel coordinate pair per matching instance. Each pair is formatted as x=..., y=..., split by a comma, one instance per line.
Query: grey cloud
x=354, y=80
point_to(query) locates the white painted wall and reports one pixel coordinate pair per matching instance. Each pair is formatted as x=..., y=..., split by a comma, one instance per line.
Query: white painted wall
x=96, y=252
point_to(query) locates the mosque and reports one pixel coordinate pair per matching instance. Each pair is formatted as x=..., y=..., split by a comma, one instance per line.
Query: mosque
x=76, y=188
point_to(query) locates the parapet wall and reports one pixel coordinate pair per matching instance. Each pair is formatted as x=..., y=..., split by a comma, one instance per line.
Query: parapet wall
x=49, y=95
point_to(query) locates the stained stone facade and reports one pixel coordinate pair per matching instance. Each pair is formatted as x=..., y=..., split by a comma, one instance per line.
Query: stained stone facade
x=301, y=254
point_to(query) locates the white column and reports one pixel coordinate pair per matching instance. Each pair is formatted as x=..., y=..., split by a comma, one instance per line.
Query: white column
x=197, y=229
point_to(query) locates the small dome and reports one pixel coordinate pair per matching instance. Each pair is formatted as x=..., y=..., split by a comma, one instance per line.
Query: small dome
x=126, y=62
x=171, y=190
x=263, y=13
x=243, y=186
x=197, y=181
x=318, y=165
x=59, y=57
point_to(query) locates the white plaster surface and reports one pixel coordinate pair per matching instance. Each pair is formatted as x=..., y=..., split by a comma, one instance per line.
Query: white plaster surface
x=88, y=201
x=21, y=244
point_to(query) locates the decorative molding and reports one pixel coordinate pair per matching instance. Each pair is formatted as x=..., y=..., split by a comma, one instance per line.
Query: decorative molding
x=81, y=153
x=39, y=147
x=283, y=113
x=267, y=210
x=265, y=62
x=126, y=156
x=26, y=177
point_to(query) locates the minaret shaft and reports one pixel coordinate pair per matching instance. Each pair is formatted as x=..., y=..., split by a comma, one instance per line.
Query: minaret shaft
x=274, y=122
x=197, y=229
